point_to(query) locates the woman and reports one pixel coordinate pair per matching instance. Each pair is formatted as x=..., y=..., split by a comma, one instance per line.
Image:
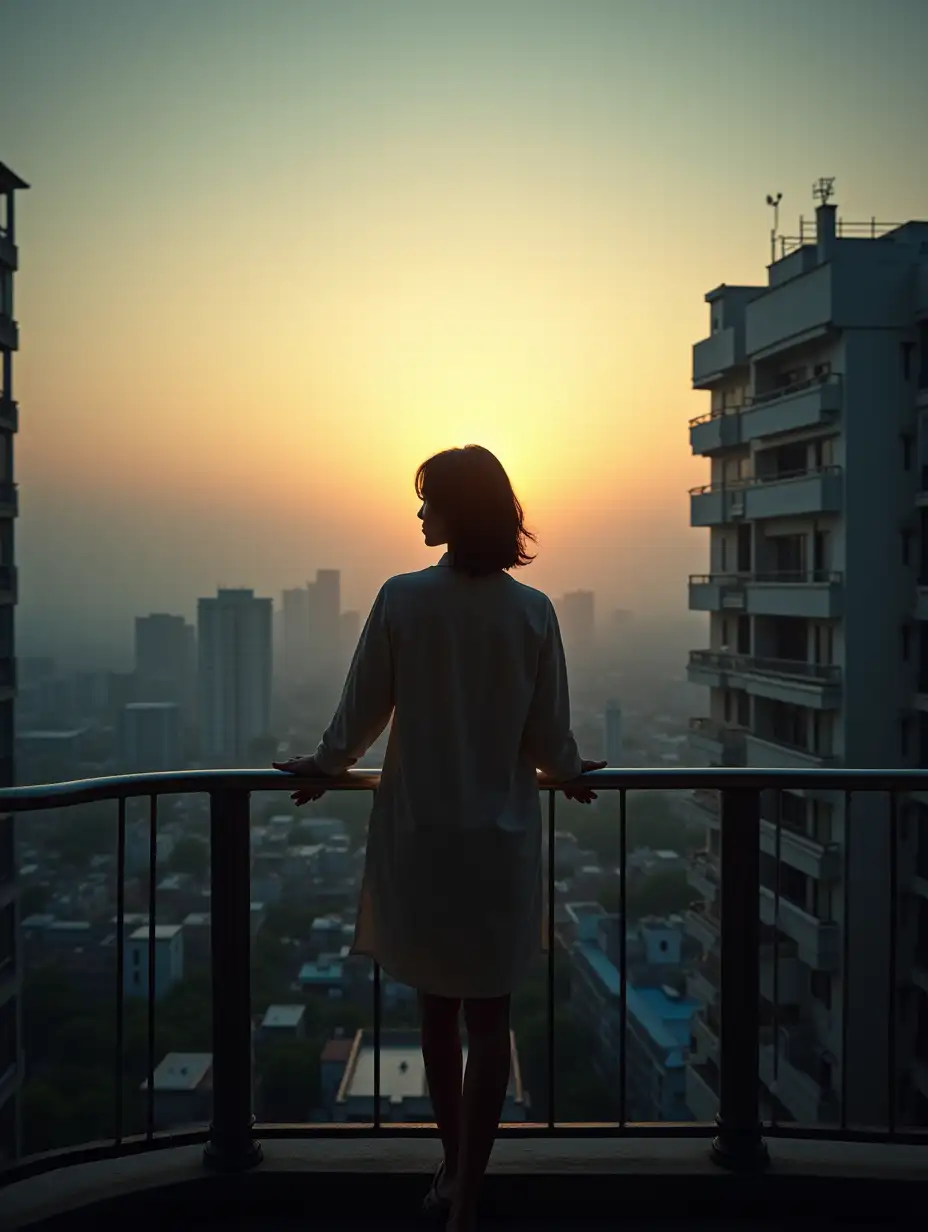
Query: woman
x=470, y=665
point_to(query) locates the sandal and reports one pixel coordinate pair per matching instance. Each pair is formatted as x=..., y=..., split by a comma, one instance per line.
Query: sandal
x=435, y=1202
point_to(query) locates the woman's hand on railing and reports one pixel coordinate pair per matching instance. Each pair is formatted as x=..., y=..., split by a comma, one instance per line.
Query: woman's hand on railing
x=305, y=767
x=584, y=795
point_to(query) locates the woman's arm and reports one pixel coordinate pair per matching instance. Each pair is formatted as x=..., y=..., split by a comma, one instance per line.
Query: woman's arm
x=367, y=698
x=548, y=738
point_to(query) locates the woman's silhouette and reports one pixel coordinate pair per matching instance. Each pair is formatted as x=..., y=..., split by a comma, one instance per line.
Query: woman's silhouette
x=470, y=665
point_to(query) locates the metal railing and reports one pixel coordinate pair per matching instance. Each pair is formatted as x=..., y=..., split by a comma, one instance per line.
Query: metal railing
x=724, y=661
x=768, y=397
x=786, y=577
x=755, y=481
x=808, y=233
x=230, y=1140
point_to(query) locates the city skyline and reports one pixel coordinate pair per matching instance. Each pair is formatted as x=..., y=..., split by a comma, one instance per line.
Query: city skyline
x=519, y=263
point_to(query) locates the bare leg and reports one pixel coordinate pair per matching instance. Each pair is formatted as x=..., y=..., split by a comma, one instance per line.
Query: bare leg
x=441, y=1051
x=485, y=1082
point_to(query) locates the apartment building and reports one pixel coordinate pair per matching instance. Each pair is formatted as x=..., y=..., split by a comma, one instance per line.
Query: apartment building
x=234, y=639
x=817, y=655
x=11, y=1050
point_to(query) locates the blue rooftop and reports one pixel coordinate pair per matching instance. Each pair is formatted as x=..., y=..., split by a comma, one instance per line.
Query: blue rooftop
x=313, y=973
x=665, y=1019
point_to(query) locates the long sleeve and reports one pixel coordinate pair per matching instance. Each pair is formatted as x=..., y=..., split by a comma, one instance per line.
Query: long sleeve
x=547, y=737
x=367, y=698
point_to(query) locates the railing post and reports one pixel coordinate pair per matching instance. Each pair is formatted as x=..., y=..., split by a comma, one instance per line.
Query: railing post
x=231, y=1146
x=739, y=1145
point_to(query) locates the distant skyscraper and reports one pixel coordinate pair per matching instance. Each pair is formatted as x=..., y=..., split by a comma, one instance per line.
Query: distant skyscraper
x=150, y=737
x=235, y=666
x=11, y=965
x=576, y=616
x=165, y=659
x=325, y=608
x=613, y=734
x=295, y=642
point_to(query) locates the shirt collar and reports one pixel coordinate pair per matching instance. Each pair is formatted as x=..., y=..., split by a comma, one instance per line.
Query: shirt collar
x=445, y=559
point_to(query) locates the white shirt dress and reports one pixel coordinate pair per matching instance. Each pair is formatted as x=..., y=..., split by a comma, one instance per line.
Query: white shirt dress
x=472, y=672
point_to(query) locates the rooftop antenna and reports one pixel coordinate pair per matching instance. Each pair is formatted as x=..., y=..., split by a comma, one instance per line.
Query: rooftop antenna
x=824, y=190
x=774, y=203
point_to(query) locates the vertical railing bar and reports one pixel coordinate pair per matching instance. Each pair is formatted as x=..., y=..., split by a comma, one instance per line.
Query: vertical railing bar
x=378, y=1007
x=550, y=934
x=120, y=959
x=845, y=953
x=377, y=1011
x=739, y=1144
x=623, y=963
x=152, y=889
x=893, y=944
x=778, y=855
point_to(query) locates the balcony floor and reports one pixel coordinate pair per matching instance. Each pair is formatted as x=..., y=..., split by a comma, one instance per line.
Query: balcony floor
x=356, y=1183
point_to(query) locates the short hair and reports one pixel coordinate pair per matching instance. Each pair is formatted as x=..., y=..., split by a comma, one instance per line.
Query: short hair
x=471, y=492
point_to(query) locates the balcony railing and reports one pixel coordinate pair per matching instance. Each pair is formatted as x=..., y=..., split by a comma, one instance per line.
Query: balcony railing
x=738, y=1136
x=758, y=481
x=769, y=397
x=723, y=661
x=777, y=577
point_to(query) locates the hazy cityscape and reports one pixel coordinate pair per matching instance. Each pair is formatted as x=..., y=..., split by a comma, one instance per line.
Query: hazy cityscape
x=777, y=621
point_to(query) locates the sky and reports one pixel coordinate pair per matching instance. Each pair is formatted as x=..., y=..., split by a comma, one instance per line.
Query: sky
x=276, y=253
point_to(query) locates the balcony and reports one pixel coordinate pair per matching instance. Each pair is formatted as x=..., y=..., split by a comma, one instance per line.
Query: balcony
x=821, y=861
x=9, y=500
x=717, y=743
x=716, y=355
x=787, y=1065
x=706, y=1036
x=9, y=414
x=703, y=875
x=9, y=333
x=9, y=254
x=7, y=584
x=813, y=594
x=703, y=923
x=793, y=312
x=781, y=495
x=818, y=941
x=704, y=980
x=781, y=754
x=216, y=1173
x=807, y=404
x=817, y=685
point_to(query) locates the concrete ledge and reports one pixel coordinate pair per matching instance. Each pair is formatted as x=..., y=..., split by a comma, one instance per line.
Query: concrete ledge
x=547, y=1179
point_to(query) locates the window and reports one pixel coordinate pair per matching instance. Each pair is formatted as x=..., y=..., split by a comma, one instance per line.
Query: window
x=906, y=534
x=906, y=349
x=820, y=987
x=907, y=451
x=136, y=979
x=136, y=958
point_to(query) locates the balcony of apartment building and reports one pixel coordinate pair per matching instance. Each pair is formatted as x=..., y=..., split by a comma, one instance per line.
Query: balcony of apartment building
x=786, y=904
x=814, y=594
x=786, y=835
x=799, y=1073
x=227, y=1170
x=704, y=980
x=703, y=922
x=797, y=681
x=9, y=413
x=9, y=500
x=715, y=743
x=789, y=405
x=7, y=584
x=804, y=492
x=703, y=874
x=786, y=736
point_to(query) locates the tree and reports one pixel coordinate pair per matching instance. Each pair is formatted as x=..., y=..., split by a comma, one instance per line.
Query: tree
x=77, y=838
x=190, y=855
x=289, y=1077
x=665, y=893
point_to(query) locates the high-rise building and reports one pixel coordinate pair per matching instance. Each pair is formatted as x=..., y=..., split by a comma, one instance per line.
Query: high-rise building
x=165, y=659
x=11, y=966
x=817, y=511
x=295, y=636
x=576, y=616
x=325, y=611
x=235, y=667
x=150, y=738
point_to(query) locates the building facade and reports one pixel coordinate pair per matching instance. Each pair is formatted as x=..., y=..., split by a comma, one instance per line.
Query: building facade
x=817, y=513
x=150, y=737
x=234, y=636
x=11, y=1043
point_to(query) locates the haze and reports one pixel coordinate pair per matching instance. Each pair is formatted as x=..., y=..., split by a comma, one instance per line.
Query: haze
x=275, y=254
